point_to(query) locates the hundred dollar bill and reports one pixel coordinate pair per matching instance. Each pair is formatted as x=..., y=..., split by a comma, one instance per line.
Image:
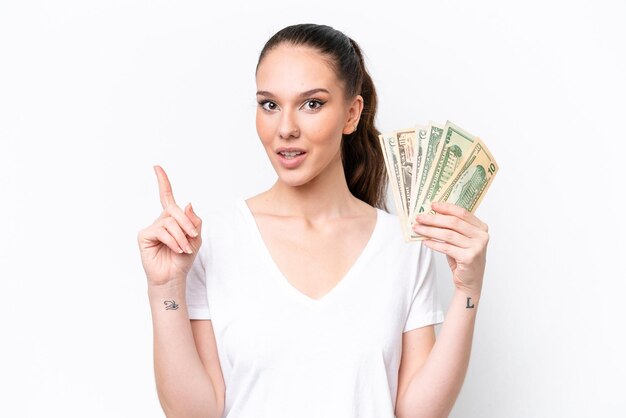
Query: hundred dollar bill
x=471, y=182
x=388, y=143
x=455, y=148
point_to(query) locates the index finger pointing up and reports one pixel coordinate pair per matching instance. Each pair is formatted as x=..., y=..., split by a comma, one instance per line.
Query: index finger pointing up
x=165, y=189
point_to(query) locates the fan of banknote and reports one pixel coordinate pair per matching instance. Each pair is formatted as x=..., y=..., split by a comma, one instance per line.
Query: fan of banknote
x=435, y=163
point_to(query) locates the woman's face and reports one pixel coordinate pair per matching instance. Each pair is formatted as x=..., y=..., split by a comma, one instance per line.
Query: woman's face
x=302, y=113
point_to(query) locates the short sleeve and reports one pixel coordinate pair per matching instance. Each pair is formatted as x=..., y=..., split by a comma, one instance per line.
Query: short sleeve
x=425, y=308
x=196, y=289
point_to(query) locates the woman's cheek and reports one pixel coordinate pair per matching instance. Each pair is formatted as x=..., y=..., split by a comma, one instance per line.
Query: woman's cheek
x=264, y=129
x=321, y=130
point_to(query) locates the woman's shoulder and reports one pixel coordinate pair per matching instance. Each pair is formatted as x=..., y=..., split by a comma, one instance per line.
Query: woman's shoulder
x=220, y=216
x=391, y=231
x=388, y=221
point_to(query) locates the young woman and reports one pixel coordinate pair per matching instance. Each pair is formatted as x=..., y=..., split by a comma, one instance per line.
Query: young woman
x=304, y=300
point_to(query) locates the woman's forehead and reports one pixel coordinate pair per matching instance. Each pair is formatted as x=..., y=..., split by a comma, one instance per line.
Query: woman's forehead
x=288, y=69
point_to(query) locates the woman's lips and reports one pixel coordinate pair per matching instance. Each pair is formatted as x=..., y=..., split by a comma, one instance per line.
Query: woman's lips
x=291, y=162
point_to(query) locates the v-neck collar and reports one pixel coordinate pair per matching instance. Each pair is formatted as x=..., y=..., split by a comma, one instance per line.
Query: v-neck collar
x=281, y=279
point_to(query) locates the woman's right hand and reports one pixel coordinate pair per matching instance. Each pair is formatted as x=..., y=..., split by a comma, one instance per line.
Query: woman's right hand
x=169, y=246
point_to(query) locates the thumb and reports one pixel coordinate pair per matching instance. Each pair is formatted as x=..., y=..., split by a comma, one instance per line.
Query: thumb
x=195, y=219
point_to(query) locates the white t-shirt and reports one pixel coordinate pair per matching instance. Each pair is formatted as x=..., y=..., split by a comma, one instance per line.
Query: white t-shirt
x=284, y=354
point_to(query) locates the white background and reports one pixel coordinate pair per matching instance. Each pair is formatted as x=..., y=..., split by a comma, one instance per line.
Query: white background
x=94, y=93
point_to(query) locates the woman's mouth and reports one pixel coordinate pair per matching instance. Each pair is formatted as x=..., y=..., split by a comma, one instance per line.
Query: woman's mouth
x=291, y=159
x=290, y=154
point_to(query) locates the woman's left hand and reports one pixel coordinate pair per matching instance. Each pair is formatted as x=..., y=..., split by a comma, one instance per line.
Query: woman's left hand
x=463, y=238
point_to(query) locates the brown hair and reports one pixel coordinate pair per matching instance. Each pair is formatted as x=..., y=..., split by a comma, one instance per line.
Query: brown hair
x=361, y=154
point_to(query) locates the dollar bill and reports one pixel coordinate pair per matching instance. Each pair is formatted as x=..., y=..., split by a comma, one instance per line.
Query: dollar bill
x=389, y=145
x=421, y=137
x=407, y=149
x=431, y=163
x=471, y=182
x=454, y=150
x=431, y=147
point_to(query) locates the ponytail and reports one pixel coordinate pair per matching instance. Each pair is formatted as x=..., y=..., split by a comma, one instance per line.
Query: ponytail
x=362, y=156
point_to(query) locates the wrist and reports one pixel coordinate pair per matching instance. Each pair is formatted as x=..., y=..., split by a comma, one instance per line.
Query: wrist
x=168, y=296
x=471, y=297
x=170, y=287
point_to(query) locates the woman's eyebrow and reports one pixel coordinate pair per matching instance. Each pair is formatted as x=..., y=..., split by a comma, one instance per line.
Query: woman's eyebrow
x=303, y=94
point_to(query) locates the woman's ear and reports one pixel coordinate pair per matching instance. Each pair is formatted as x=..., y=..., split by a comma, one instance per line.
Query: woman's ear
x=354, y=115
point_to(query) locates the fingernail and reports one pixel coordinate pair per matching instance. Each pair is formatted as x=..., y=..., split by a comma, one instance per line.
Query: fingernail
x=194, y=233
x=189, y=250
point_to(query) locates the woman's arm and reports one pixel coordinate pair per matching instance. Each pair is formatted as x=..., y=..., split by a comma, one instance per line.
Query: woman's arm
x=168, y=248
x=432, y=391
x=183, y=384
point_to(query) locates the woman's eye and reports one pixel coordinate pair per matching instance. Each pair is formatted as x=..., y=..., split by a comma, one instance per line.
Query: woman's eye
x=313, y=104
x=267, y=105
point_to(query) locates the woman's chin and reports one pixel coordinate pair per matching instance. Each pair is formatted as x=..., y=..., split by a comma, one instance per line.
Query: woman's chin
x=293, y=181
x=293, y=178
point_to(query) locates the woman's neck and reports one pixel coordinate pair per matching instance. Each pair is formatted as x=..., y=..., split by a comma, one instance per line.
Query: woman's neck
x=324, y=197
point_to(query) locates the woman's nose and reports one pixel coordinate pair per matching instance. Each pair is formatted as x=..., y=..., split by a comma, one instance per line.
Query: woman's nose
x=288, y=126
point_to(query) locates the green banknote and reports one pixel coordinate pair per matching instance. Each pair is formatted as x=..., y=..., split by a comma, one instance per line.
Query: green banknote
x=406, y=148
x=472, y=181
x=389, y=145
x=421, y=138
x=435, y=163
x=431, y=147
x=454, y=150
